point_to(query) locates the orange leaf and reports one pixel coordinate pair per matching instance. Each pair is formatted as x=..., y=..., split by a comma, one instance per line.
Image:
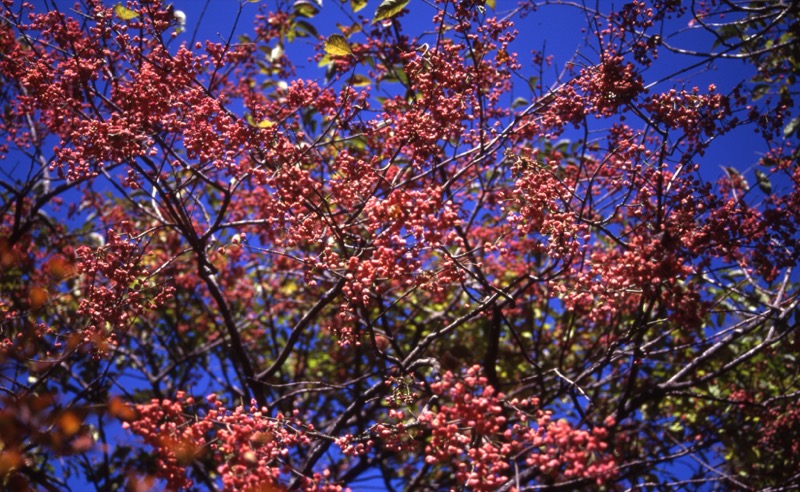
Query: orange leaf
x=69, y=423
x=9, y=460
x=121, y=410
x=59, y=267
x=37, y=297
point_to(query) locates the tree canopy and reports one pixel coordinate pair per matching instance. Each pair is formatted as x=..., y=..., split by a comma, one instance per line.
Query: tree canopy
x=426, y=259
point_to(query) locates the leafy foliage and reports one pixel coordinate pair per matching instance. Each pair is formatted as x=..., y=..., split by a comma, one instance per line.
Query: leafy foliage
x=388, y=9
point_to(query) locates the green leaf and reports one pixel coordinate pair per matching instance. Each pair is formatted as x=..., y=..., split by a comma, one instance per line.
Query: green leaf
x=734, y=174
x=337, y=45
x=397, y=74
x=124, y=13
x=562, y=145
x=763, y=182
x=760, y=90
x=791, y=127
x=301, y=28
x=357, y=5
x=726, y=33
x=519, y=102
x=305, y=8
x=359, y=80
x=388, y=9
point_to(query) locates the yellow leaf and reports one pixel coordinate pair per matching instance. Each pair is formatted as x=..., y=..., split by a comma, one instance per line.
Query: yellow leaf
x=357, y=5
x=290, y=288
x=259, y=124
x=125, y=13
x=490, y=4
x=337, y=45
